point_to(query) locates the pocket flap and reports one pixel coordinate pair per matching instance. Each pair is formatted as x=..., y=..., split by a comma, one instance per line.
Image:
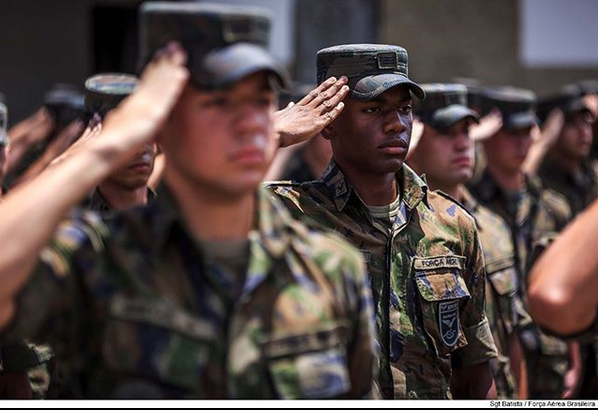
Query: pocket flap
x=292, y=345
x=504, y=282
x=438, y=286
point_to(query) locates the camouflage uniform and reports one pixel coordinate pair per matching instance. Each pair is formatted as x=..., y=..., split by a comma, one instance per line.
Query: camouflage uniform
x=135, y=308
x=579, y=190
x=539, y=213
x=96, y=202
x=427, y=276
x=504, y=307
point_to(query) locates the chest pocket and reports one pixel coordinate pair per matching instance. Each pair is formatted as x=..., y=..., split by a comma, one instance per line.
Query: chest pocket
x=309, y=366
x=442, y=291
x=503, y=281
x=153, y=339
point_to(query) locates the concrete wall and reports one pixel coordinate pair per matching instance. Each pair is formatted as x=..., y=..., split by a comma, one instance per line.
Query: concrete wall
x=470, y=38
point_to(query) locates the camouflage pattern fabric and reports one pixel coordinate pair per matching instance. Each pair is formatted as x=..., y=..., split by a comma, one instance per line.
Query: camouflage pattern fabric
x=579, y=190
x=96, y=202
x=427, y=276
x=540, y=213
x=504, y=307
x=133, y=310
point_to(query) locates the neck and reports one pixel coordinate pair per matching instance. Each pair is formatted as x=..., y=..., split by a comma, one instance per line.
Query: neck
x=570, y=165
x=373, y=189
x=509, y=181
x=120, y=198
x=210, y=215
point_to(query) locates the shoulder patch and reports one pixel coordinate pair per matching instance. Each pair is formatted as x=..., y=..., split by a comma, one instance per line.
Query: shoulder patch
x=451, y=199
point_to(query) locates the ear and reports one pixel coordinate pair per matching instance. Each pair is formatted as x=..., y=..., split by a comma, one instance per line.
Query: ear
x=328, y=132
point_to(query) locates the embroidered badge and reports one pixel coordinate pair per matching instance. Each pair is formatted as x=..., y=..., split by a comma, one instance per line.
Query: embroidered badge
x=448, y=322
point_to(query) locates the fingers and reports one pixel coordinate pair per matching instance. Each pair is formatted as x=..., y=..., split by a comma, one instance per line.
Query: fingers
x=324, y=92
x=331, y=115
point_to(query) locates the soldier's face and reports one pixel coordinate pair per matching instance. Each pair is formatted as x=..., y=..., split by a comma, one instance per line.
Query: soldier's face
x=223, y=140
x=575, y=141
x=137, y=172
x=373, y=136
x=445, y=157
x=507, y=150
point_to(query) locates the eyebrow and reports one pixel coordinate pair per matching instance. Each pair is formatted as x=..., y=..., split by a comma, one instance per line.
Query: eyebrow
x=383, y=100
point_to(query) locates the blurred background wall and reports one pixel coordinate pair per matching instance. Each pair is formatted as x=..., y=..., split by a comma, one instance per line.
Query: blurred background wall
x=538, y=44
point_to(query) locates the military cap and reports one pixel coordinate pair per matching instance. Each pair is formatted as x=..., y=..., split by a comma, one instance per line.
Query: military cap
x=223, y=43
x=64, y=103
x=516, y=105
x=371, y=68
x=445, y=104
x=103, y=92
x=569, y=100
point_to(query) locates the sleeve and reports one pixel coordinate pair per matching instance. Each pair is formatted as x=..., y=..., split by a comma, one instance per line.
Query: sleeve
x=51, y=301
x=480, y=343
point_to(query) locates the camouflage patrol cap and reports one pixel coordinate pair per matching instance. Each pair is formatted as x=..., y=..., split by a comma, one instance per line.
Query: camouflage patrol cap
x=223, y=43
x=103, y=92
x=445, y=105
x=371, y=68
x=569, y=101
x=516, y=105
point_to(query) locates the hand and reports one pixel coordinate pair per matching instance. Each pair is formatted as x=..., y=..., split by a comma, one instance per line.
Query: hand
x=551, y=129
x=93, y=129
x=591, y=101
x=139, y=118
x=33, y=129
x=417, y=130
x=299, y=122
x=489, y=125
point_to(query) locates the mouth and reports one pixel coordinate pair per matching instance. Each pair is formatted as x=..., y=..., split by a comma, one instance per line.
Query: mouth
x=249, y=156
x=462, y=161
x=395, y=146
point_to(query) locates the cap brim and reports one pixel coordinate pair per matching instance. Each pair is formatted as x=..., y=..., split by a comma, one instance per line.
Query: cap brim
x=520, y=120
x=367, y=88
x=4, y=140
x=227, y=65
x=448, y=116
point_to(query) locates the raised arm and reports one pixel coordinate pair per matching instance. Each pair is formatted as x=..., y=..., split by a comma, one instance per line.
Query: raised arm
x=26, y=227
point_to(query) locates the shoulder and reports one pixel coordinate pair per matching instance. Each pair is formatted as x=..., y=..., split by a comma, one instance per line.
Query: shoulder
x=556, y=204
x=450, y=212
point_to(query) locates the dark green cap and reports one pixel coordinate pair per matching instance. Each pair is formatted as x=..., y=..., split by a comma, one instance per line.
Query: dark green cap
x=371, y=68
x=103, y=92
x=445, y=105
x=64, y=103
x=569, y=100
x=516, y=105
x=223, y=43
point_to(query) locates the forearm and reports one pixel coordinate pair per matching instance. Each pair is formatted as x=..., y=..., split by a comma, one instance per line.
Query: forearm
x=562, y=288
x=474, y=382
x=31, y=213
x=535, y=157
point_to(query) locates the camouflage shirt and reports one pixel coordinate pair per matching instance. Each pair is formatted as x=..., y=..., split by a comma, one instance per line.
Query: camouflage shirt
x=579, y=190
x=427, y=276
x=533, y=216
x=135, y=309
x=504, y=307
x=96, y=202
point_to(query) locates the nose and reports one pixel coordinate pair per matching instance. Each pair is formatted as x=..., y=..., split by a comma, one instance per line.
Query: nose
x=251, y=120
x=395, y=123
x=462, y=142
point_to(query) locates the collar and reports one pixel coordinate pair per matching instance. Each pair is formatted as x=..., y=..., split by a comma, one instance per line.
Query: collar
x=273, y=229
x=415, y=189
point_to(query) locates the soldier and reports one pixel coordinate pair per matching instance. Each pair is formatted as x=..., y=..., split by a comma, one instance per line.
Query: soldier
x=127, y=187
x=532, y=214
x=445, y=154
x=567, y=169
x=422, y=250
x=4, y=145
x=212, y=290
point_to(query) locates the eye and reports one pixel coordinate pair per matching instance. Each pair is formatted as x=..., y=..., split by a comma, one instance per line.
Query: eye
x=216, y=101
x=372, y=110
x=406, y=109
